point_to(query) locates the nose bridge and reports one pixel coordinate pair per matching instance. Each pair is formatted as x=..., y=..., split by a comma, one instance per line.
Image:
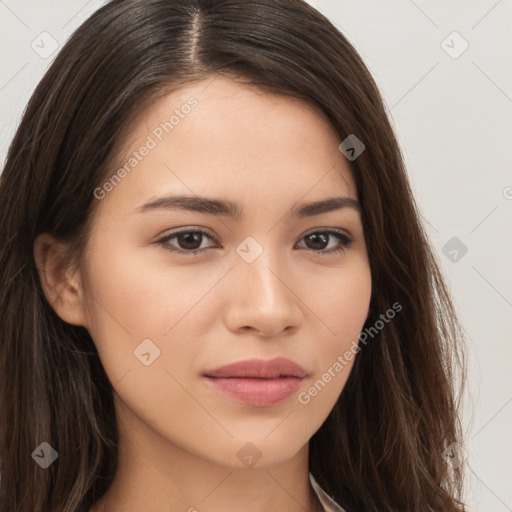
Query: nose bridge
x=259, y=266
x=263, y=300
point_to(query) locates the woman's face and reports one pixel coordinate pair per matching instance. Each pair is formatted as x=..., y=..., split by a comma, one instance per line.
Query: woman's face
x=264, y=284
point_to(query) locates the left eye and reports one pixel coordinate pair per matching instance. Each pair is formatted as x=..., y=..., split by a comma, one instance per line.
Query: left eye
x=322, y=237
x=190, y=241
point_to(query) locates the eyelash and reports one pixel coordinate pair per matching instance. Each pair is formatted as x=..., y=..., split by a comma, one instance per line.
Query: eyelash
x=345, y=240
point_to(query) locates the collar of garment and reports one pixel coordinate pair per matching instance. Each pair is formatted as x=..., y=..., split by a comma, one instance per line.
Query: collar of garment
x=327, y=502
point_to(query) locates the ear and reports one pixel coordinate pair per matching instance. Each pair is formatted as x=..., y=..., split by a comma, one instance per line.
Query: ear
x=60, y=284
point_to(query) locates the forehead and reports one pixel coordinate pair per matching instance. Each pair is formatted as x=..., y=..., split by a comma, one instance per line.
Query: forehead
x=218, y=137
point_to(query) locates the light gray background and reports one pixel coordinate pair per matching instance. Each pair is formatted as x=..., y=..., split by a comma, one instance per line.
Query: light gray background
x=452, y=115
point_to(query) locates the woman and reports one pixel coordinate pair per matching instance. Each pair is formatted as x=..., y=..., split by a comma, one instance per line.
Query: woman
x=216, y=293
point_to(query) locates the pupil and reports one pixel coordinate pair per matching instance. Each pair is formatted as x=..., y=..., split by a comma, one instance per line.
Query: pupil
x=191, y=240
x=318, y=236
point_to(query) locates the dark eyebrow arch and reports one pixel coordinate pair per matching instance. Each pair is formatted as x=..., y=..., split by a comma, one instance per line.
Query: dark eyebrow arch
x=225, y=208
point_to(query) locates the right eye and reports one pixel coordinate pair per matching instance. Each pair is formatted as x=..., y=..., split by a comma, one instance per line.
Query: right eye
x=189, y=239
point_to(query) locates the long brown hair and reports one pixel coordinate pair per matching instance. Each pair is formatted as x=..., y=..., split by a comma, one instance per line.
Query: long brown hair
x=382, y=446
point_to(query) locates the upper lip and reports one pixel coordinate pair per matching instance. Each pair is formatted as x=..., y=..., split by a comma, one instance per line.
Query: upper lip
x=260, y=368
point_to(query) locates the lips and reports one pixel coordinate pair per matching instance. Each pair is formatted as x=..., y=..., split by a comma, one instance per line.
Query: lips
x=259, y=368
x=257, y=382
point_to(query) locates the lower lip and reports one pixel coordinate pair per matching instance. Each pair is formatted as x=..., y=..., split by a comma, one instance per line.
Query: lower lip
x=256, y=392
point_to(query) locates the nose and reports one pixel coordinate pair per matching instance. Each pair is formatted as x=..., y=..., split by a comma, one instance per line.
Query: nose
x=262, y=298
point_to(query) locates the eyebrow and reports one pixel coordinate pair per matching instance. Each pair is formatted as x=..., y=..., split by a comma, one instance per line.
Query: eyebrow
x=230, y=209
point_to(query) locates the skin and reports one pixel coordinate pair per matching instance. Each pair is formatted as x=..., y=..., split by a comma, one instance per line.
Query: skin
x=178, y=437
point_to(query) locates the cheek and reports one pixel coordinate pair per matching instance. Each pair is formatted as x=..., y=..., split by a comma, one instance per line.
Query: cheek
x=341, y=308
x=126, y=288
x=340, y=301
x=131, y=299
x=335, y=357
